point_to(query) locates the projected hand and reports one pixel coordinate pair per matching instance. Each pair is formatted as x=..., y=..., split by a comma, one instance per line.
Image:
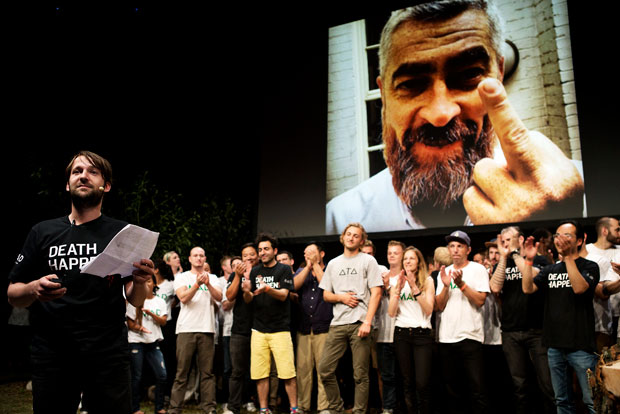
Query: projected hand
x=537, y=175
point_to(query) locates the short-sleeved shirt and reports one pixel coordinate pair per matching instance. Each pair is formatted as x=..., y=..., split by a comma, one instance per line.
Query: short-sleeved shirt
x=461, y=319
x=612, y=276
x=155, y=305
x=198, y=315
x=520, y=312
x=568, y=318
x=385, y=323
x=410, y=313
x=90, y=318
x=165, y=291
x=613, y=255
x=243, y=313
x=270, y=314
x=225, y=316
x=357, y=274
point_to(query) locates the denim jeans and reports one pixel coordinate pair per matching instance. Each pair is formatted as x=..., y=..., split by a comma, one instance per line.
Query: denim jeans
x=580, y=361
x=386, y=361
x=155, y=359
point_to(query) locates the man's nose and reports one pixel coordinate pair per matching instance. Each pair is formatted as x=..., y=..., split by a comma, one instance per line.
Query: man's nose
x=441, y=107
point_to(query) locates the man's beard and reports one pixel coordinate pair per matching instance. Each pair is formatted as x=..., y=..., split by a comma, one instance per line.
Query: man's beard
x=445, y=181
x=82, y=201
x=612, y=239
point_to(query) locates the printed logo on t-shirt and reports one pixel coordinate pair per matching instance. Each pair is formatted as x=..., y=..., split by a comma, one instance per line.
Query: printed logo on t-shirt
x=268, y=280
x=558, y=280
x=513, y=273
x=347, y=271
x=71, y=256
x=203, y=287
x=408, y=296
x=155, y=311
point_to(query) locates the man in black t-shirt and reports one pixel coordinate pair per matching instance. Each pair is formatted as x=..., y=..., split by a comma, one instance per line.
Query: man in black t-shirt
x=238, y=385
x=521, y=321
x=568, y=322
x=79, y=340
x=271, y=283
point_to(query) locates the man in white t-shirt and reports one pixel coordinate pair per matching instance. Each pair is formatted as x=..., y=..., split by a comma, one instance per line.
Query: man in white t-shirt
x=352, y=282
x=196, y=289
x=606, y=245
x=461, y=292
x=386, y=355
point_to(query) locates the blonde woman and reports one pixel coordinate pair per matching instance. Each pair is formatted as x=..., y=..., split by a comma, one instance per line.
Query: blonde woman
x=412, y=299
x=174, y=261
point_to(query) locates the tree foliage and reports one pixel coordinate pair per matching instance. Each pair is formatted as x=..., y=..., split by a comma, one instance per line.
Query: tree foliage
x=216, y=223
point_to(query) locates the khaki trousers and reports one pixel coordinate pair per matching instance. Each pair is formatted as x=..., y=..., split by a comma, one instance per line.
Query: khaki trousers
x=335, y=346
x=203, y=345
x=309, y=351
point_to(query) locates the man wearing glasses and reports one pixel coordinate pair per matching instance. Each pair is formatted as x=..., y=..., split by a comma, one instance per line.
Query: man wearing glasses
x=568, y=322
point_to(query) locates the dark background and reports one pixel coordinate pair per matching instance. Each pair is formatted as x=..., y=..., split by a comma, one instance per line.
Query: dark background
x=224, y=99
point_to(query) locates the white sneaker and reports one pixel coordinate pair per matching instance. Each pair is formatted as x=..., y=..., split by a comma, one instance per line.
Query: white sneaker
x=225, y=409
x=250, y=407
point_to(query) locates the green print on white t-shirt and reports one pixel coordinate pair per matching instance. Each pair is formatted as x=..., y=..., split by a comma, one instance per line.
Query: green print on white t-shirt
x=407, y=296
x=156, y=312
x=204, y=288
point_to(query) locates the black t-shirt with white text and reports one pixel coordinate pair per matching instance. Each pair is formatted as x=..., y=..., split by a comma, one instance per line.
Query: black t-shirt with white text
x=243, y=315
x=568, y=317
x=90, y=318
x=521, y=312
x=270, y=314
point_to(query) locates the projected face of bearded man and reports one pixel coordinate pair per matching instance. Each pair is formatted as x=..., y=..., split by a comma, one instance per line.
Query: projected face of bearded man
x=435, y=127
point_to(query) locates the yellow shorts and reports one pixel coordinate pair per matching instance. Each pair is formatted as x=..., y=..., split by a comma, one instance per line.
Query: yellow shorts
x=280, y=345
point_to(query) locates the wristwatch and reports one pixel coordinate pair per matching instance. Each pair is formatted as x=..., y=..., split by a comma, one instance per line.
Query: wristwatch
x=516, y=251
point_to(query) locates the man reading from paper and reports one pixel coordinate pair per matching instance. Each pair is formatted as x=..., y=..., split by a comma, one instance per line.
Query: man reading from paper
x=79, y=340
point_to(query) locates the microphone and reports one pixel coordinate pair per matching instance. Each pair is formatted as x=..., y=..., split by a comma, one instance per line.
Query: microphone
x=101, y=188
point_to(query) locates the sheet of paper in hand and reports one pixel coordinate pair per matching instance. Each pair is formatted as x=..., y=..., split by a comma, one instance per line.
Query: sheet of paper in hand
x=130, y=245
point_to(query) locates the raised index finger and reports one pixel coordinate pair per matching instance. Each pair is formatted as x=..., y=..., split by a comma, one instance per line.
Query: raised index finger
x=512, y=133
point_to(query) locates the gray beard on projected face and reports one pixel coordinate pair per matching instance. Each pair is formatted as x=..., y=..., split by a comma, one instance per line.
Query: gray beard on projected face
x=442, y=183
